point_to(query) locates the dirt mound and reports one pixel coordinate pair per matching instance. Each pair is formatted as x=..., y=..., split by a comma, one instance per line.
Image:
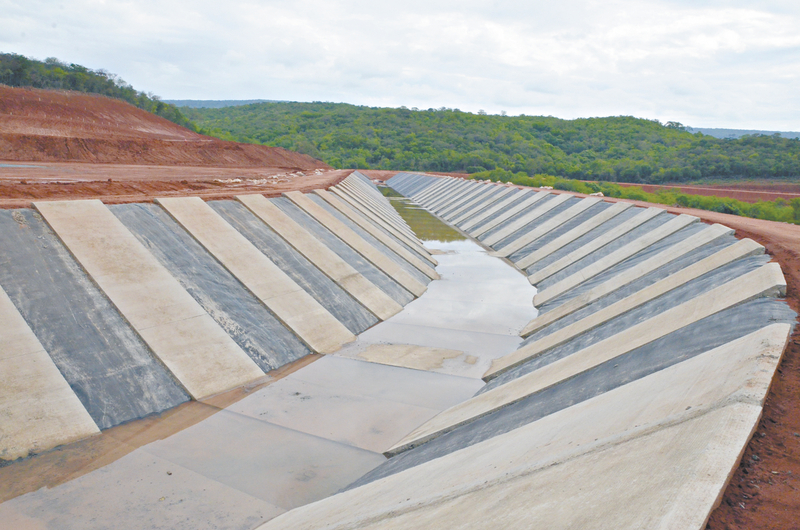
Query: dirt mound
x=743, y=191
x=60, y=126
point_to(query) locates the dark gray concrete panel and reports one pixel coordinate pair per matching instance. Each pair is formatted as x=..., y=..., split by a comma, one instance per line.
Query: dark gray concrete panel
x=409, y=268
x=627, y=264
x=336, y=300
x=646, y=311
x=408, y=184
x=517, y=194
x=584, y=239
x=356, y=260
x=518, y=198
x=536, y=222
x=634, y=234
x=108, y=366
x=684, y=344
x=637, y=285
x=559, y=231
x=262, y=336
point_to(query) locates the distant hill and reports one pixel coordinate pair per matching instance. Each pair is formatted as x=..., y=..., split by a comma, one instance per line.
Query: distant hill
x=617, y=149
x=215, y=103
x=20, y=71
x=738, y=133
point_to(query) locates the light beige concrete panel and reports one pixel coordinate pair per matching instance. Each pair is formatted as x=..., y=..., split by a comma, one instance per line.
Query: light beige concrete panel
x=38, y=408
x=364, y=218
x=385, y=211
x=551, y=224
x=651, y=292
x=357, y=243
x=485, y=192
x=366, y=223
x=570, y=236
x=767, y=281
x=476, y=191
x=498, y=192
x=158, y=308
x=526, y=218
x=655, y=453
x=334, y=267
x=497, y=207
x=674, y=252
x=293, y=306
x=509, y=213
x=618, y=256
x=596, y=244
x=393, y=220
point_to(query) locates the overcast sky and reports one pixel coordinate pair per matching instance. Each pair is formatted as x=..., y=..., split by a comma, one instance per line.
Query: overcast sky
x=703, y=63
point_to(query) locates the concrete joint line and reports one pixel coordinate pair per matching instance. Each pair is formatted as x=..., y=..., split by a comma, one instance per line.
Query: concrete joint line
x=490, y=201
x=479, y=200
x=500, y=206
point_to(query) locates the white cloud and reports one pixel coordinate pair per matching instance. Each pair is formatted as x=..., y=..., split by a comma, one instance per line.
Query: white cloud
x=712, y=63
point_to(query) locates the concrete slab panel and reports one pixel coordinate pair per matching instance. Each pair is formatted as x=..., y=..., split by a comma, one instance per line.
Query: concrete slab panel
x=476, y=191
x=290, y=469
x=573, y=257
x=152, y=301
x=347, y=235
x=379, y=213
x=385, y=282
x=767, y=281
x=138, y=491
x=580, y=230
x=352, y=413
x=288, y=301
x=615, y=257
x=248, y=322
x=38, y=409
x=488, y=191
x=499, y=193
x=617, y=282
x=694, y=271
x=497, y=209
x=431, y=190
x=445, y=196
x=414, y=258
x=545, y=227
x=685, y=436
x=527, y=215
x=409, y=356
x=325, y=259
x=359, y=215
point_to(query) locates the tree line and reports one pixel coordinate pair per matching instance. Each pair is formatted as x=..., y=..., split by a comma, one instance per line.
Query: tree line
x=20, y=71
x=613, y=149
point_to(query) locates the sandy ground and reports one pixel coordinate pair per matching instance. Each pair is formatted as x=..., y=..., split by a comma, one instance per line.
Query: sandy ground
x=743, y=191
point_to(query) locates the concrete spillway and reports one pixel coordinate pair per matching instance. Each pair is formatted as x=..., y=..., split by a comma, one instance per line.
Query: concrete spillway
x=552, y=361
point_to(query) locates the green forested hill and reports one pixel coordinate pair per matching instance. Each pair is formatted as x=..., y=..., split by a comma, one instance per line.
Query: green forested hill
x=20, y=71
x=613, y=149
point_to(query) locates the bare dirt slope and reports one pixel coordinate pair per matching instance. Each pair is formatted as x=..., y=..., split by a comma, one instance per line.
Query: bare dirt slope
x=60, y=126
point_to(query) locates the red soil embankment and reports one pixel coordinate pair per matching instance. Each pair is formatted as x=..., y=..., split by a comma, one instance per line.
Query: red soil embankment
x=60, y=126
x=743, y=191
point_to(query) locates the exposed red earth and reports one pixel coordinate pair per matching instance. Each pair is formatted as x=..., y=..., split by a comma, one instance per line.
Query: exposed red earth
x=743, y=191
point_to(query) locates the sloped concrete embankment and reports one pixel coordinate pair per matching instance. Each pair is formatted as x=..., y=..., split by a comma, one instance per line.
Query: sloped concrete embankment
x=632, y=395
x=112, y=313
